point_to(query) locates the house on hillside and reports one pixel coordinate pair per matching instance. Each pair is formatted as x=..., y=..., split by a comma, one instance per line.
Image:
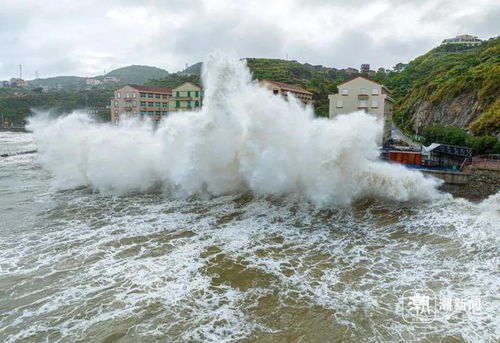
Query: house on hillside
x=362, y=94
x=154, y=102
x=283, y=89
x=350, y=71
x=17, y=83
x=463, y=40
x=90, y=82
x=108, y=79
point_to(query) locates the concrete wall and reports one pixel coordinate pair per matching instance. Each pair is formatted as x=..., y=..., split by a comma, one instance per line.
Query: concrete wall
x=453, y=178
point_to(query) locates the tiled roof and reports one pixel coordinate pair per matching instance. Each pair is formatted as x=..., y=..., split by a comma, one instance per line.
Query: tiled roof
x=288, y=87
x=141, y=88
x=356, y=76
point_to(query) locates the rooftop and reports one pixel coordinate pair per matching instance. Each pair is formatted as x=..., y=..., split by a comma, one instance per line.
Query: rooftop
x=152, y=89
x=362, y=77
x=288, y=87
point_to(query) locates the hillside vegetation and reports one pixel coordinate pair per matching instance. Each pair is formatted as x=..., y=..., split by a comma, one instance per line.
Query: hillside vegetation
x=137, y=74
x=450, y=85
x=15, y=109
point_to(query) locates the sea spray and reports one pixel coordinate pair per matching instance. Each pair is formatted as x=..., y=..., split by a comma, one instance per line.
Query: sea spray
x=244, y=138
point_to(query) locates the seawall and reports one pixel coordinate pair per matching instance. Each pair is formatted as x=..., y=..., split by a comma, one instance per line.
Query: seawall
x=481, y=184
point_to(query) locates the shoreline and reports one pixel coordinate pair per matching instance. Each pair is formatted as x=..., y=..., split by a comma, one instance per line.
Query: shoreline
x=14, y=129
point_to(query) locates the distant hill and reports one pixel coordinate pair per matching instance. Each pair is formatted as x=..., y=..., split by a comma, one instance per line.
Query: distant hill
x=195, y=69
x=63, y=82
x=137, y=74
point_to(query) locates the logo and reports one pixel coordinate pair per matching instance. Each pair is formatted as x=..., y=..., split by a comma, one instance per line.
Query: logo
x=419, y=306
x=422, y=305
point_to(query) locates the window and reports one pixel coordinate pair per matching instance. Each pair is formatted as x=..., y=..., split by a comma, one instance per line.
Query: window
x=196, y=93
x=150, y=95
x=143, y=103
x=345, y=91
x=177, y=104
x=151, y=113
x=362, y=103
x=133, y=95
x=116, y=103
x=177, y=94
x=165, y=96
x=157, y=96
x=375, y=91
x=189, y=103
x=158, y=104
x=196, y=103
x=118, y=95
x=188, y=93
x=135, y=112
x=339, y=104
x=374, y=103
x=116, y=112
x=144, y=113
x=134, y=103
x=151, y=104
x=143, y=95
x=165, y=104
x=362, y=91
x=158, y=113
x=127, y=95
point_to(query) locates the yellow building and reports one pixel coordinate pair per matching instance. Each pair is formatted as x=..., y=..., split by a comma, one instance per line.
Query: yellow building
x=154, y=102
x=186, y=97
x=281, y=88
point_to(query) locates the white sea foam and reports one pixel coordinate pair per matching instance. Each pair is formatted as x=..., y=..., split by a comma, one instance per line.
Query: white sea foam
x=244, y=138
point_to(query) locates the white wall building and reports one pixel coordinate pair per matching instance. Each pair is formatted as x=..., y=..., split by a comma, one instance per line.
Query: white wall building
x=362, y=94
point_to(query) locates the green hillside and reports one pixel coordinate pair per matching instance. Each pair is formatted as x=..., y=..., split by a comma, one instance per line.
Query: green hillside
x=137, y=74
x=445, y=74
x=16, y=108
x=63, y=82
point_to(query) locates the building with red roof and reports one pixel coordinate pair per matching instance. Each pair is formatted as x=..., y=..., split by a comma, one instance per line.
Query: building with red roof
x=155, y=102
x=283, y=89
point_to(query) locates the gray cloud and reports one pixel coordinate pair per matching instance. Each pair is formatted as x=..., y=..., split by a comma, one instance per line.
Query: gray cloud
x=87, y=37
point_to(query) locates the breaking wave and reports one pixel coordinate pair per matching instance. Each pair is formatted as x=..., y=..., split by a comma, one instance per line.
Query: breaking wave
x=243, y=139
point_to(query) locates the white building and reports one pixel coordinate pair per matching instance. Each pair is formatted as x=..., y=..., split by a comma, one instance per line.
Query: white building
x=362, y=94
x=92, y=82
x=464, y=40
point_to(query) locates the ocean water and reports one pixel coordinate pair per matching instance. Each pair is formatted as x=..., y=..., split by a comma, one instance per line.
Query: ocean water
x=247, y=222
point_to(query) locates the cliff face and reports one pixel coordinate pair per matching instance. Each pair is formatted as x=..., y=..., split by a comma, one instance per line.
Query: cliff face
x=460, y=111
x=450, y=85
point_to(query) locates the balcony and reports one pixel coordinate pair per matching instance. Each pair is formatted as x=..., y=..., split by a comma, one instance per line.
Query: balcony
x=363, y=96
x=184, y=98
x=128, y=99
x=128, y=108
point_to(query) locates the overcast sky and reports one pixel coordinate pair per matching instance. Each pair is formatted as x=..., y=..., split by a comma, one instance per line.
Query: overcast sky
x=84, y=38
